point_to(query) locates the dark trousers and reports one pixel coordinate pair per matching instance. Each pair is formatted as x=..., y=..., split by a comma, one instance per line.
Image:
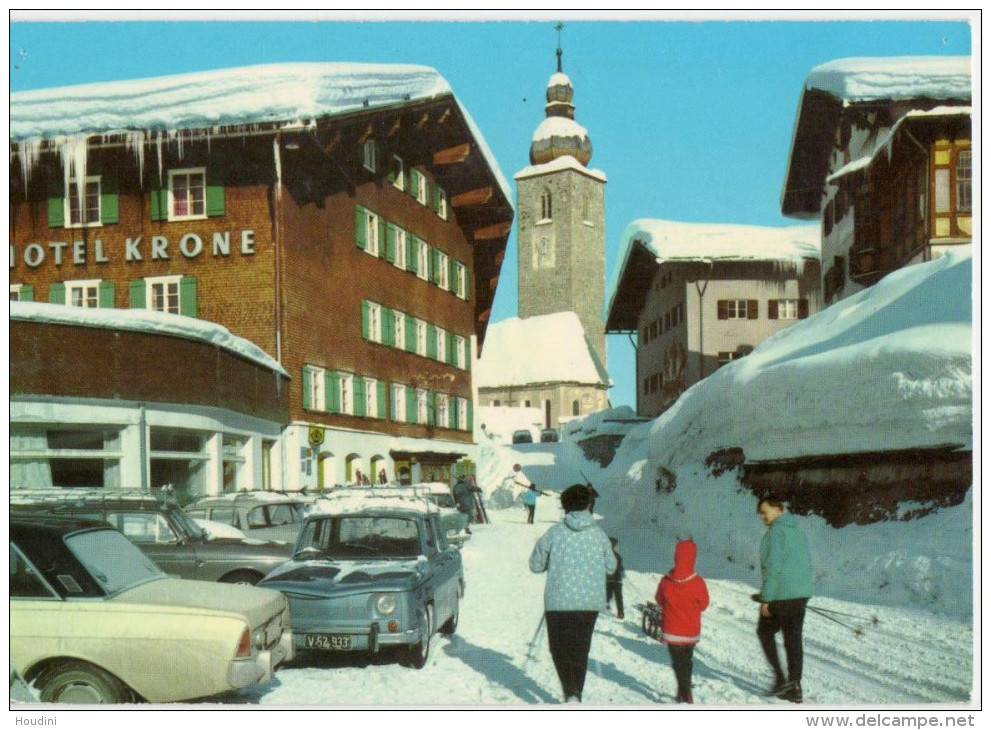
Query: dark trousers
x=786, y=617
x=569, y=634
x=615, y=589
x=681, y=662
x=530, y=509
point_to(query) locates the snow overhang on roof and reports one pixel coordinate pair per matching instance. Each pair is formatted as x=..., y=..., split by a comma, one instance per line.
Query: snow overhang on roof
x=289, y=96
x=145, y=321
x=566, y=162
x=650, y=242
x=549, y=348
x=830, y=88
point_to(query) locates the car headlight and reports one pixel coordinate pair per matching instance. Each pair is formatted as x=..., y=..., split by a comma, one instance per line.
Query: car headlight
x=386, y=604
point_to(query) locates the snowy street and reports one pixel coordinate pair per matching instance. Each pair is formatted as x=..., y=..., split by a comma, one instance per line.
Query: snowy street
x=907, y=657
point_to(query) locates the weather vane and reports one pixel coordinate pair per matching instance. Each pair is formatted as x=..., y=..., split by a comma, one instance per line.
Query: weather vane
x=559, y=27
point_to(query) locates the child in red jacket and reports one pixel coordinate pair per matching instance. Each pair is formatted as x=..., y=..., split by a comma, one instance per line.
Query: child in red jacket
x=682, y=596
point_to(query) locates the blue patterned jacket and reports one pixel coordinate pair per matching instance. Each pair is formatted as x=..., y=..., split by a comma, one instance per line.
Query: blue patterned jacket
x=577, y=556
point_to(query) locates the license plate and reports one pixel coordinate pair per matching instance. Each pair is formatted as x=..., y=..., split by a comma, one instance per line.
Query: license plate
x=330, y=642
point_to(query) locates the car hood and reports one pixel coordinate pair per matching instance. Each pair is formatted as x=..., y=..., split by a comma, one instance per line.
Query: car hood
x=257, y=604
x=325, y=577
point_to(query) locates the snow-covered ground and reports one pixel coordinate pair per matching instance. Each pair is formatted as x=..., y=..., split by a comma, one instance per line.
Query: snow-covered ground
x=902, y=656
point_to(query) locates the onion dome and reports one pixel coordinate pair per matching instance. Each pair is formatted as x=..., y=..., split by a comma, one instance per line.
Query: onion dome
x=559, y=134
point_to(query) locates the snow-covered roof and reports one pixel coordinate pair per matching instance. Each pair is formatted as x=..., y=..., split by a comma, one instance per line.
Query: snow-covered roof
x=289, y=95
x=255, y=496
x=899, y=77
x=561, y=127
x=565, y=162
x=549, y=348
x=559, y=79
x=350, y=502
x=884, y=141
x=145, y=321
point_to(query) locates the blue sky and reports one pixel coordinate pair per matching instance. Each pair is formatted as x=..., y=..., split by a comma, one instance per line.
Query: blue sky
x=690, y=120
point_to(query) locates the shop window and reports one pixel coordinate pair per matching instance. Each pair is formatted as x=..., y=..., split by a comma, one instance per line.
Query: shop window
x=233, y=457
x=178, y=459
x=369, y=155
x=64, y=456
x=964, y=179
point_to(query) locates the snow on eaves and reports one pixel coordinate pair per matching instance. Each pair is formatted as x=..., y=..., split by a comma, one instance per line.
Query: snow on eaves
x=290, y=95
x=147, y=321
x=899, y=77
x=560, y=127
x=549, y=348
x=565, y=162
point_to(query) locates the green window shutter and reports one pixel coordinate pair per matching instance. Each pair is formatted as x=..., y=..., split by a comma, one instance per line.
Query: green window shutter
x=56, y=204
x=359, y=396
x=388, y=328
x=360, y=235
x=107, y=294
x=452, y=356
x=139, y=300
x=380, y=400
x=159, y=204
x=469, y=415
x=410, y=404
x=332, y=383
x=215, y=204
x=187, y=296
x=467, y=354
x=452, y=412
x=56, y=293
x=432, y=408
x=433, y=265
x=436, y=199
x=390, y=243
x=109, y=199
x=410, y=334
x=412, y=244
x=452, y=275
x=306, y=387
x=431, y=341
x=27, y=293
x=382, y=237
x=467, y=284
x=365, y=333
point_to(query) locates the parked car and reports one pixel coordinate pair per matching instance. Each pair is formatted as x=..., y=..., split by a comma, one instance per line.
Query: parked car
x=93, y=620
x=165, y=534
x=548, y=436
x=372, y=573
x=522, y=436
x=264, y=515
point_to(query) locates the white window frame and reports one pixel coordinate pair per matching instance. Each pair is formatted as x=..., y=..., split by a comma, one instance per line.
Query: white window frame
x=733, y=310
x=421, y=406
x=787, y=309
x=462, y=405
x=399, y=396
x=442, y=204
x=372, y=233
x=345, y=386
x=422, y=259
x=83, y=285
x=462, y=280
x=318, y=390
x=15, y=290
x=189, y=171
x=418, y=183
x=371, y=398
x=400, y=181
x=369, y=155
x=459, y=346
x=375, y=322
x=441, y=344
x=421, y=337
x=399, y=329
x=166, y=281
x=400, y=262
x=66, y=201
x=442, y=404
x=444, y=263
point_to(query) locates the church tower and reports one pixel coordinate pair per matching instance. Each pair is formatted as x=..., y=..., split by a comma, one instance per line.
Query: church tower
x=561, y=220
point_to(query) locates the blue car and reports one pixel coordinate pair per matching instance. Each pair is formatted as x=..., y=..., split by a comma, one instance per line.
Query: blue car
x=368, y=574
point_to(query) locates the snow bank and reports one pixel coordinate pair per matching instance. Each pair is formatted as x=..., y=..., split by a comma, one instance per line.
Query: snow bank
x=146, y=321
x=499, y=422
x=900, y=77
x=549, y=348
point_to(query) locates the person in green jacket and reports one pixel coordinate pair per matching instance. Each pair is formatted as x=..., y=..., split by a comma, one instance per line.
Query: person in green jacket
x=786, y=586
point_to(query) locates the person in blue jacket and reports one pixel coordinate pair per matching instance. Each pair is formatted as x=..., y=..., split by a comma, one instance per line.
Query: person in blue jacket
x=786, y=586
x=530, y=502
x=577, y=556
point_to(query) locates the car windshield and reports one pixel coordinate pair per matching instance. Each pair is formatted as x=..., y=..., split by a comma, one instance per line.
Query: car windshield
x=113, y=561
x=360, y=537
x=442, y=500
x=188, y=526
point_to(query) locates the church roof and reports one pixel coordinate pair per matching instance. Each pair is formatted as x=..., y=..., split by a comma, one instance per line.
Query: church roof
x=549, y=348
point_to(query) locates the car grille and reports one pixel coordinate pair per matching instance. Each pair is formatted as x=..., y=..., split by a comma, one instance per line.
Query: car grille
x=273, y=631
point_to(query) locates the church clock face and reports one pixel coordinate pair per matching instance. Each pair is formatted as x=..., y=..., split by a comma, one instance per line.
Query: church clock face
x=543, y=252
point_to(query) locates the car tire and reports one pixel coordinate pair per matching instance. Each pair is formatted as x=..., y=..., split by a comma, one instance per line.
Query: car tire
x=451, y=625
x=418, y=654
x=243, y=577
x=81, y=684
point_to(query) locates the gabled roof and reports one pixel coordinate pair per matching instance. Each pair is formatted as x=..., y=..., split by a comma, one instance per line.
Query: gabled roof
x=649, y=242
x=546, y=349
x=922, y=81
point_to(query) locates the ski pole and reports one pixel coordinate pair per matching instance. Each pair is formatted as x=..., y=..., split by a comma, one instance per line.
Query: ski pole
x=854, y=629
x=872, y=619
x=533, y=642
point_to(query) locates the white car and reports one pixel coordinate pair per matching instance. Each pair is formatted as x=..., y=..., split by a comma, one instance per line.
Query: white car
x=93, y=620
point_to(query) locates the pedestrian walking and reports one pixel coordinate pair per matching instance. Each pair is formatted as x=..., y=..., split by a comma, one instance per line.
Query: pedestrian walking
x=682, y=596
x=464, y=498
x=614, y=583
x=786, y=586
x=577, y=557
x=530, y=502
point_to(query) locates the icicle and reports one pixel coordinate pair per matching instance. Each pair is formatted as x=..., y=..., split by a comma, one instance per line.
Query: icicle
x=278, y=168
x=28, y=153
x=73, y=151
x=134, y=141
x=158, y=149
